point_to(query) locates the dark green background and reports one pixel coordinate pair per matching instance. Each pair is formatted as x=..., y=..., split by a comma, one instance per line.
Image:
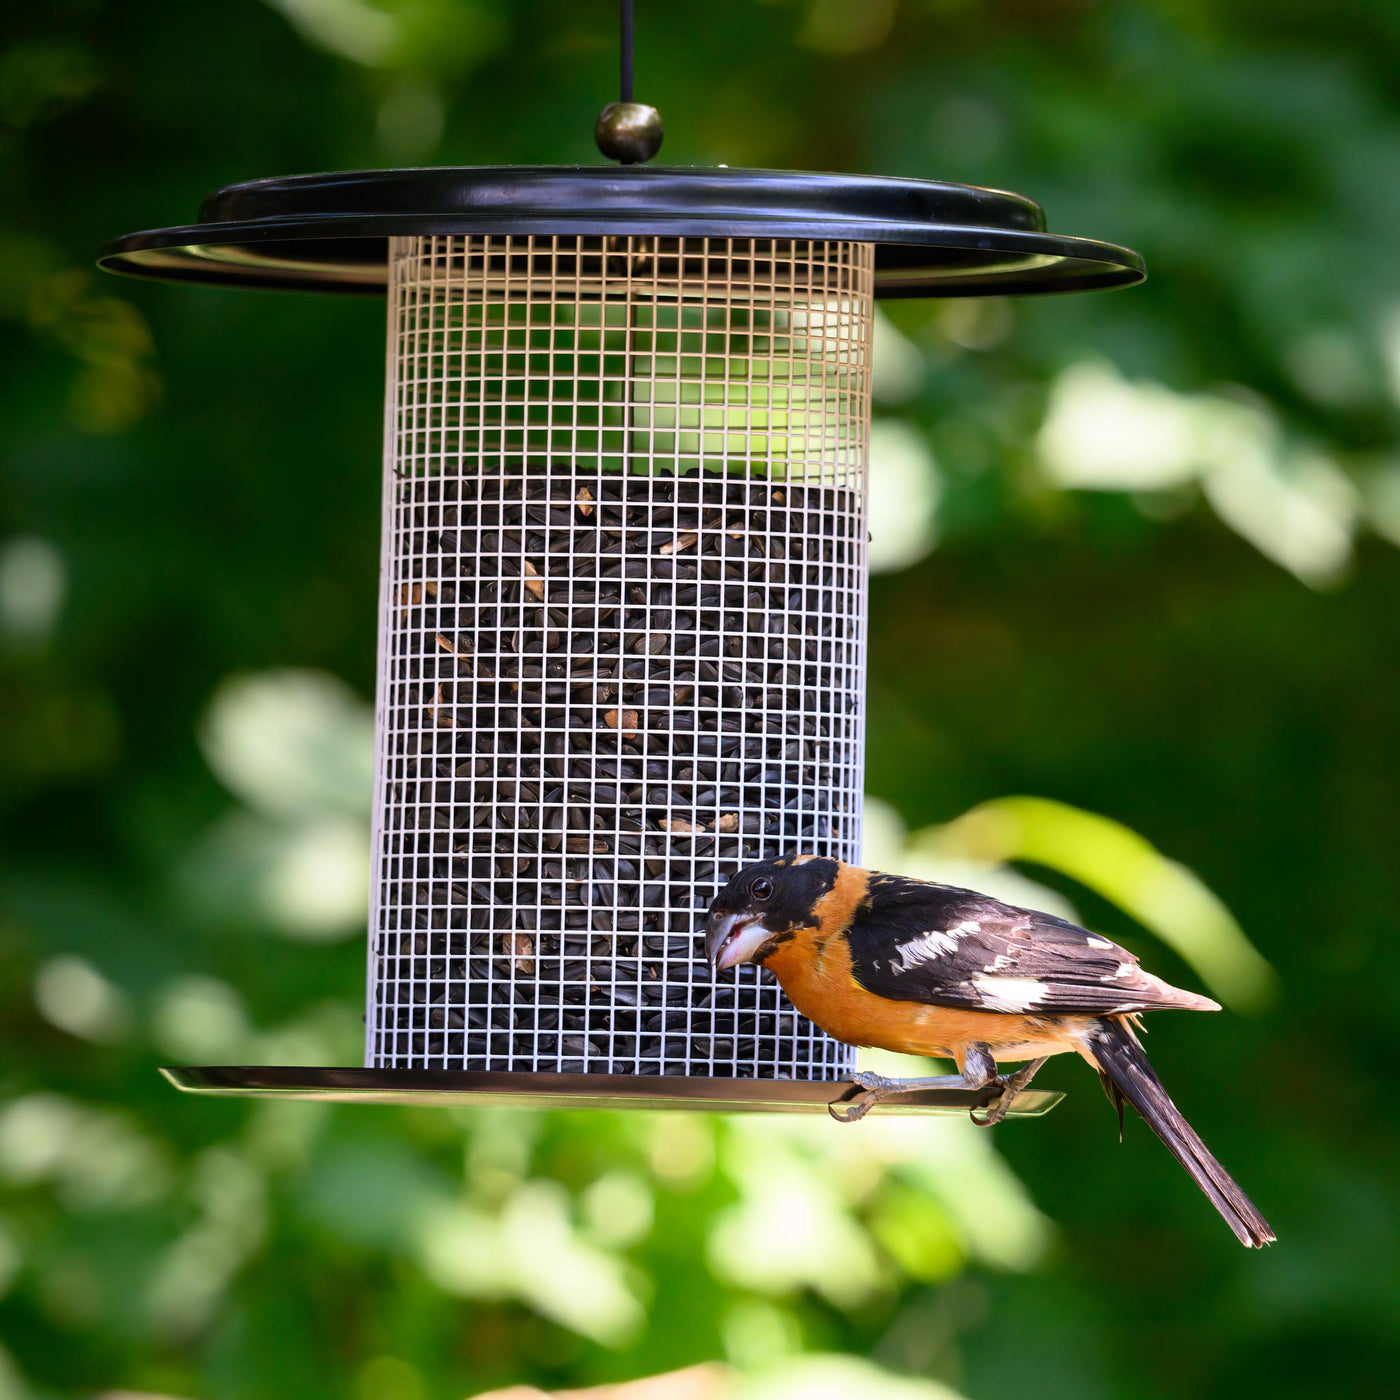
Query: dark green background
x=205, y=464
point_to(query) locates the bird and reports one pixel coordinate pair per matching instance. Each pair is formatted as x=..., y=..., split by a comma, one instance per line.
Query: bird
x=928, y=969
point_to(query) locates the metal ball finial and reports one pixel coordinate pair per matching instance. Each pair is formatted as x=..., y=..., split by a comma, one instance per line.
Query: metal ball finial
x=629, y=132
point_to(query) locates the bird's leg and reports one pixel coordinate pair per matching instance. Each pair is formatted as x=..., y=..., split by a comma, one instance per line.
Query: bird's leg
x=1011, y=1085
x=978, y=1071
x=867, y=1089
x=979, y=1065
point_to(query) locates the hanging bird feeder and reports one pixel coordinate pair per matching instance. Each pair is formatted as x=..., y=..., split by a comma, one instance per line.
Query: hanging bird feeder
x=623, y=589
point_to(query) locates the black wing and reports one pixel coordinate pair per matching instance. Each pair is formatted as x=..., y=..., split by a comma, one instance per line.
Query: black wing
x=917, y=941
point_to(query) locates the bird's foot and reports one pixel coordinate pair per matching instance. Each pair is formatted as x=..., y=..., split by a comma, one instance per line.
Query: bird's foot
x=979, y=1072
x=1009, y=1086
x=867, y=1089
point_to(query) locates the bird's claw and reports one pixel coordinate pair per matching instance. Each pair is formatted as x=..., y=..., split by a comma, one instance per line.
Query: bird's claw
x=865, y=1091
x=849, y=1110
x=996, y=1099
x=1007, y=1087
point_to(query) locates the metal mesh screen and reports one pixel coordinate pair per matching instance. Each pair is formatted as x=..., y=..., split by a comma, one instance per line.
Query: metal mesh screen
x=622, y=647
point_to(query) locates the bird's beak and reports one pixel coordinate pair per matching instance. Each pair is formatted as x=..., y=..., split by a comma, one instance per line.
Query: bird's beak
x=733, y=938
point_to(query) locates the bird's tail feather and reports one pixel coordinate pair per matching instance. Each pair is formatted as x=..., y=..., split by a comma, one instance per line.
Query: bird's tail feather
x=1123, y=1064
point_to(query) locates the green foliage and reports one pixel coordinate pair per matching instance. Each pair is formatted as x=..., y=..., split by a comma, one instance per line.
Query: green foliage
x=1150, y=575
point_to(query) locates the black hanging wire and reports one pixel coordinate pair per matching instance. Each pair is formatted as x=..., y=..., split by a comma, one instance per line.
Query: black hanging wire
x=629, y=387
x=626, y=50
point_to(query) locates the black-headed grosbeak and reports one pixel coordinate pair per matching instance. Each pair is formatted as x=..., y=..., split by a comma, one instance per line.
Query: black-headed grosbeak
x=926, y=969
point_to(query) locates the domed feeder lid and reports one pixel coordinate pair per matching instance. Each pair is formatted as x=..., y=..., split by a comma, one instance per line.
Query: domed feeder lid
x=328, y=233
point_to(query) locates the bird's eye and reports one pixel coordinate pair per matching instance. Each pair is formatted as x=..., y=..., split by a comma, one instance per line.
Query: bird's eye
x=761, y=888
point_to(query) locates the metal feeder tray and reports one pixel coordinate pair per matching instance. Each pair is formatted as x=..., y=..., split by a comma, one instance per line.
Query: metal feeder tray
x=429, y=1088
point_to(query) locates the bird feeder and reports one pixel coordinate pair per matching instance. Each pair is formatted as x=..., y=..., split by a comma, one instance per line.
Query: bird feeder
x=622, y=609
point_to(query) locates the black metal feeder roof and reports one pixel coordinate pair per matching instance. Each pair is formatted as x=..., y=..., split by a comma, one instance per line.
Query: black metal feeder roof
x=328, y=233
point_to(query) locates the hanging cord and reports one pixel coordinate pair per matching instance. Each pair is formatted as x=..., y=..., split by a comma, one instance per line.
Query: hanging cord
x=628, y=132
x=627, y=27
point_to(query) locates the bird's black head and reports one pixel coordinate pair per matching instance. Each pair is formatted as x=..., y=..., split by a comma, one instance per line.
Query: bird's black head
x=764, y=905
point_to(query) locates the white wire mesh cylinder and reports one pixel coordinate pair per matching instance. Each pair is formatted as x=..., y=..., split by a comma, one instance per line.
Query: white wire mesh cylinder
x=622, y=642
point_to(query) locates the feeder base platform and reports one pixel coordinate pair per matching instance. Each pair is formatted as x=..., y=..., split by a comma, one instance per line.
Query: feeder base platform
x=435, y=1088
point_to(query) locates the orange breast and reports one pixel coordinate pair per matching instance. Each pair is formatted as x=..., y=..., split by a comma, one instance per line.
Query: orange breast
x=816, y=975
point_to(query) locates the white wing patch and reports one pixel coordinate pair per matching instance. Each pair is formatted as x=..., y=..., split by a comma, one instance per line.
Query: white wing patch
x=1098, y=942
x=928, y=946
x=1009, y=994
